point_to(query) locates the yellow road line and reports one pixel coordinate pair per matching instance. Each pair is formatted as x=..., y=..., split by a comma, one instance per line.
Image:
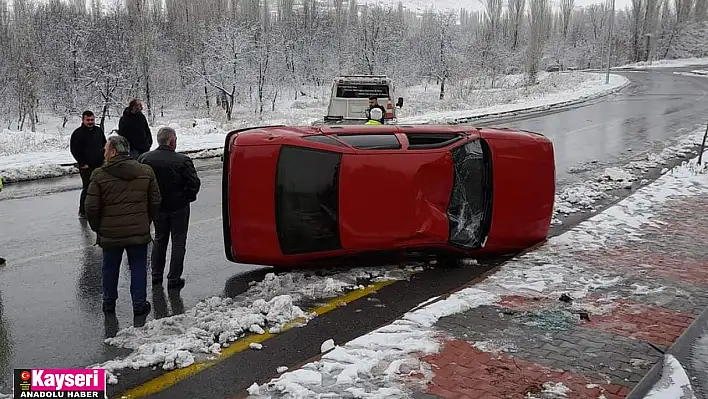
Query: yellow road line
x=172, y=377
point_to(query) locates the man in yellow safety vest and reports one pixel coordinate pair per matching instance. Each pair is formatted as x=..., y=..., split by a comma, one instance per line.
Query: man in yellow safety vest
x=375, y=117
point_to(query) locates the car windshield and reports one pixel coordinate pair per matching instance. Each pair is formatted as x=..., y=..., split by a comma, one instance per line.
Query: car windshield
x=346, y=90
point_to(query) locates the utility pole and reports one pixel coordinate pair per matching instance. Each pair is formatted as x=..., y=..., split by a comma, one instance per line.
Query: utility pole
x=609, y=44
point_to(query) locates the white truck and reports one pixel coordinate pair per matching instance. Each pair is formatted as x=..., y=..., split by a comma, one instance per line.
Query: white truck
x=349, y=100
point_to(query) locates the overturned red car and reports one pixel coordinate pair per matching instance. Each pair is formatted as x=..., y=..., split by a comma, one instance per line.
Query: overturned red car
x=297, y=196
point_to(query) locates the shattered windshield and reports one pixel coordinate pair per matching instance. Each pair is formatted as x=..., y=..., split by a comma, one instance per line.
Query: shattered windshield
x=470, y=205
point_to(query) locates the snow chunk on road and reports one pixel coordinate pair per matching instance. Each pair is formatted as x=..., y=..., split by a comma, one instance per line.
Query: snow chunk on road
x=327, y=346
x=255, y=345
x=282, y=369
x=178, y=359
x=552, y=389
x=674, y=382
x=254, y=389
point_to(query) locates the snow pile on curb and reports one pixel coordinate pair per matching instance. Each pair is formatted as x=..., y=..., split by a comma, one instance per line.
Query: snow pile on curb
x=695, y=73
x=674, y=382
x=385, y=358
x=202, y=331
x=680, y=63
x=590, y=86
x=583, y=196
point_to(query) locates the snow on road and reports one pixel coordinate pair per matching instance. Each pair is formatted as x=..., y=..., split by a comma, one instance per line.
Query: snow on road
x=201, y=332
x=378, y=364
x=26, y=155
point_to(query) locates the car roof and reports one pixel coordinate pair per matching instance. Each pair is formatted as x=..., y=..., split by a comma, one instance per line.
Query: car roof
x=266, y=134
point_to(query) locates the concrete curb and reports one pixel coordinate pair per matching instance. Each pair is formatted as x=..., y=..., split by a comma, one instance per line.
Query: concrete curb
x=681, y=350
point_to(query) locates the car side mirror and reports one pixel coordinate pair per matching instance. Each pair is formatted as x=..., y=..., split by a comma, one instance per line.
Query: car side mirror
x=399, y=104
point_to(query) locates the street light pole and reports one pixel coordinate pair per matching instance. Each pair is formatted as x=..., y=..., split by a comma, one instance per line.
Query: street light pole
x=609, y=44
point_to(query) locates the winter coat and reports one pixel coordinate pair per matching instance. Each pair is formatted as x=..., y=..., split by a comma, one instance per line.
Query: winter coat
x=373, y=122
x=87, y=146
x=122, y=199
x=135, y=129
x=176, y=176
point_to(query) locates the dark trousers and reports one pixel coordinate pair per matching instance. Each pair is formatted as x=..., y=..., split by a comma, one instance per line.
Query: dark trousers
x=137, y=259
x=170, y=224
x=85, y=180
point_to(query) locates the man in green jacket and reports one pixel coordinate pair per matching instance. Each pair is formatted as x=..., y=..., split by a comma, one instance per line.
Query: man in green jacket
x=122, y=200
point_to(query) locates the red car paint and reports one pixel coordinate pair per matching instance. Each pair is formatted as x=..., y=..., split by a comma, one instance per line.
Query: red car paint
x=391, y=199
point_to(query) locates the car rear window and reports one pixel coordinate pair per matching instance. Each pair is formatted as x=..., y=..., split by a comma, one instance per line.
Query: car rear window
x=306, y=200
x=345, y=90
x=371, y=141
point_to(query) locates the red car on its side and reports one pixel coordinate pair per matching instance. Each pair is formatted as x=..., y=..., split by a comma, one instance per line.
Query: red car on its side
x=295, y=196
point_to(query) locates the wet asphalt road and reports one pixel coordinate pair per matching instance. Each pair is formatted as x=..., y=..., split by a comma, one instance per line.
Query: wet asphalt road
x=657, y=105
x=50, y=289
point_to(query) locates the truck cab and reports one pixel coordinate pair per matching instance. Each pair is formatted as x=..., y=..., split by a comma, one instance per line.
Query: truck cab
x=349, y=99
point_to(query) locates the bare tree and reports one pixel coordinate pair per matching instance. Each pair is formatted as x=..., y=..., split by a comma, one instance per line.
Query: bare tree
x=517, y=9
x=566, y=7
x=538, y=22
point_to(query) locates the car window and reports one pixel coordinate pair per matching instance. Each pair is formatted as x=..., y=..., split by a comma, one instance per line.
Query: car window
x=371, y=141
x=324, y=140
x=347, y=90
x=469, y=210
x=424, y=141
x=306, y=200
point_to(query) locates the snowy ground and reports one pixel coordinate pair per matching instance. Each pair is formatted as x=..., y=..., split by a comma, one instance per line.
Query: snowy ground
x=684, y=62
x=376, y=365
x=25, y=155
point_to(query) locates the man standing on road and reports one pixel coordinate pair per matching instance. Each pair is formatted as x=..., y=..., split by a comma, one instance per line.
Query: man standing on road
x=134, y=127
x=87, y=144
x=179, y=185
x=123, y=198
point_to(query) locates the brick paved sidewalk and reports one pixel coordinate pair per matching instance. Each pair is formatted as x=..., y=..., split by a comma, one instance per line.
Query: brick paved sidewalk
x=633, y=289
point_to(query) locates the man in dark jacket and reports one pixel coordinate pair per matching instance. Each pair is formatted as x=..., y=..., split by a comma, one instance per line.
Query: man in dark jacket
x=374, y=103
x=179, y=185
x=87, y=148
x=134, y=127
x=123, y=198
